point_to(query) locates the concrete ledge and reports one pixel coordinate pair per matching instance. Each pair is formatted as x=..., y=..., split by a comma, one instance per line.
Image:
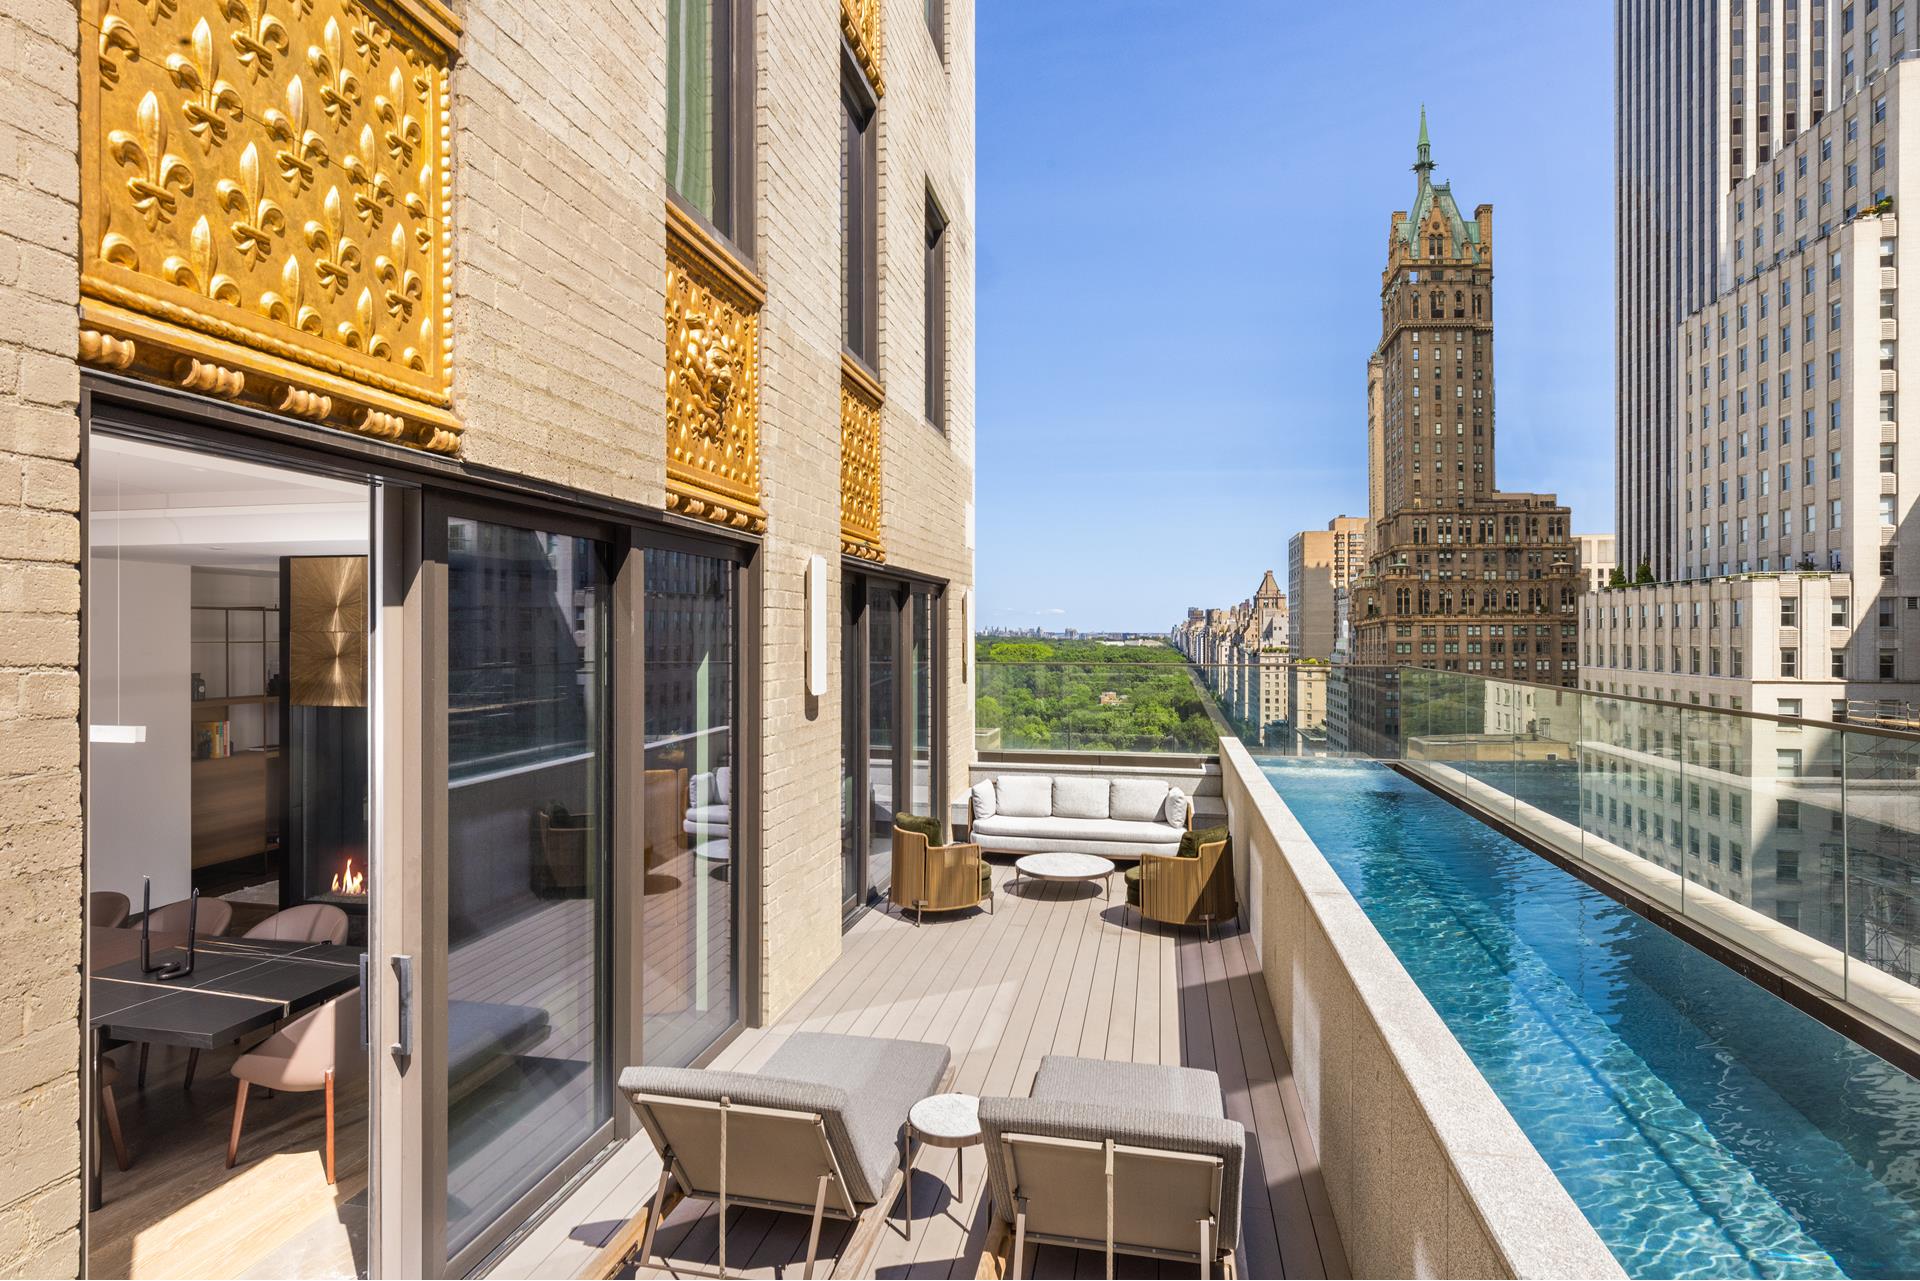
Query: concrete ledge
x=1427, y=1172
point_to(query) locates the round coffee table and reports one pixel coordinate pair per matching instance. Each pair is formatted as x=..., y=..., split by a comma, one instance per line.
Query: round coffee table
x=942, y=1121
x=1068, y=867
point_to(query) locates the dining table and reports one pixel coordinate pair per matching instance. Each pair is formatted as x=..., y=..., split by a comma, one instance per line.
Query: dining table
x=238, y=987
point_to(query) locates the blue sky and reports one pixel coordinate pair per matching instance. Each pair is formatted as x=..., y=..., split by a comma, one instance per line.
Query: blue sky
x=1181, y=228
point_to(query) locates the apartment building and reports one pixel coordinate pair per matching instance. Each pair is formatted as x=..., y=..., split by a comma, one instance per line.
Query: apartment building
x=1598, y=559
x=493, y=493
x=1321, y=564
x=1786, y=422
x=1242, y=654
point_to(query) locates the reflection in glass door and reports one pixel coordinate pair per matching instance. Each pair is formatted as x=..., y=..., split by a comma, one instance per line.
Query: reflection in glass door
x=853, y=746
x=883, y=713
x=528, y=1065
x=689, y=987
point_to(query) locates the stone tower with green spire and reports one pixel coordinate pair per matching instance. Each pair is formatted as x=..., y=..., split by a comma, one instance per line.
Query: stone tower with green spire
x=1461, y=576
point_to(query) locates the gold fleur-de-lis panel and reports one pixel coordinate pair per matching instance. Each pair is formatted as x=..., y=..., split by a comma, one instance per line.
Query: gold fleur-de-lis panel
x=266, y=195
x=713, y=371
x=859, y=464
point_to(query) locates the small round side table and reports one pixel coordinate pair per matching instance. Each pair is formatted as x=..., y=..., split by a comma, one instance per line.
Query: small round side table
x=942, y=1121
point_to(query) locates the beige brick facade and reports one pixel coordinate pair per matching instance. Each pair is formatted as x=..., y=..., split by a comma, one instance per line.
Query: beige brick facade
x=557, y=143
x=40, y=835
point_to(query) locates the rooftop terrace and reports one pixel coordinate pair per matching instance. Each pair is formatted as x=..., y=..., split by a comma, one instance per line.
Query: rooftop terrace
x=1054, y=969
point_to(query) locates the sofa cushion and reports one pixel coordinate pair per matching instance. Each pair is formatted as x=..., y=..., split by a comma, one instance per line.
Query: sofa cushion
x=1175, y=810
x=703, y=790
x=921, y=826
x=1080, y=797
x=1071, y=829
x=715, y=818
x=985, y=804
x=1138, y=800
x=1190, y=842
x=861, y=1087
x=1024, y=796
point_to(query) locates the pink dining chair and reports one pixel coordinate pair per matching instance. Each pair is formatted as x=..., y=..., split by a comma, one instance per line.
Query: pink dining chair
x=307, y=1054
x=307, y=923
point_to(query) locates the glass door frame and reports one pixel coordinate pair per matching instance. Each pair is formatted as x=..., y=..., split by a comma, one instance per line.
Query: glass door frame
x=864, y=577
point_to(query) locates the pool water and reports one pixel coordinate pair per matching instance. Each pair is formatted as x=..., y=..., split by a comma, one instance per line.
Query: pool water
x=1705, y=1127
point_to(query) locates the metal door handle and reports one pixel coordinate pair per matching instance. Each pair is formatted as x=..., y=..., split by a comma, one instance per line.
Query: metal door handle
x=366, y=1017
x=403, y=978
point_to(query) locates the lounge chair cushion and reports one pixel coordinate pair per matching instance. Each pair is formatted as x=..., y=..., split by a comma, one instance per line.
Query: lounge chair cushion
x=1173, y=1108
x=1190, y=842
x=920, y=825
x=861, y=1087
x=1133, y=885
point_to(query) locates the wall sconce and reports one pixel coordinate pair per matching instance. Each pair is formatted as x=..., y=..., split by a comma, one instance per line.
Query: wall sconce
x=817, y=625
x=966, y=635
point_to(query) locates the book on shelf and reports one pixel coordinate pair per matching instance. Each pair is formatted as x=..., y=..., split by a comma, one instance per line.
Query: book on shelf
x=212, y=740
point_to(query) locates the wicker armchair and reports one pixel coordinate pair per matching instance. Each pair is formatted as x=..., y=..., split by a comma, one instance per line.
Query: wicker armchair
x=935, y=878
x=1187, y=888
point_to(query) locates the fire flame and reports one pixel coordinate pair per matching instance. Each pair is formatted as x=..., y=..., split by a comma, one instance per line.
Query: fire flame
x=349, y=881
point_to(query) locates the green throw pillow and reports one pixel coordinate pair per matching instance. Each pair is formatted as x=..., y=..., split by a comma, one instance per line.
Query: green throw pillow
x=1190, y=842
x=927, y=827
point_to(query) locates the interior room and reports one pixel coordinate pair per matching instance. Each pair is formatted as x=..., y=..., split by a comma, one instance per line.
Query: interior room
x=227, y=789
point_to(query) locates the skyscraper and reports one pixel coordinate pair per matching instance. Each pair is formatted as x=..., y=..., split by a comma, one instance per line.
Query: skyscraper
x=1461, y=575
x=1760, y=361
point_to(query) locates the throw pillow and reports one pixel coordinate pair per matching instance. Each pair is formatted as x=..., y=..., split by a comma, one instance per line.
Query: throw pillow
x=1190, y=842
x=921, y=826
x=1176, y=808
x=983, y=800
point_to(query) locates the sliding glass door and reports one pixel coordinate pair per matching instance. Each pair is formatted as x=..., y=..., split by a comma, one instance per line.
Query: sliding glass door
x=690, y=990
x=889, y=722
x=528, y=1069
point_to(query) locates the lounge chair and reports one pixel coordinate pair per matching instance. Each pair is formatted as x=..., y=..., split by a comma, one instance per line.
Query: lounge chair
x=816, y=1131
x=929, y=876
x=1192, y=887
x=1157, y=1175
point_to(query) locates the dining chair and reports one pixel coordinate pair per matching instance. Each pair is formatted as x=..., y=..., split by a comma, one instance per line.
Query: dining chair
x=107, y=909
x=110, y=1111
x=171, y=918
x=307, y=923
x=215, y=915
x=307, y=1054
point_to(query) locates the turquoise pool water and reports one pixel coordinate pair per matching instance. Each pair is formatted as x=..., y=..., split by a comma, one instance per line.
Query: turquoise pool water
x=1703, y=1126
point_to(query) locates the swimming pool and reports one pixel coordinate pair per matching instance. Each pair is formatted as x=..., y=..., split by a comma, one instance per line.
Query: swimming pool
x=1705, y=1127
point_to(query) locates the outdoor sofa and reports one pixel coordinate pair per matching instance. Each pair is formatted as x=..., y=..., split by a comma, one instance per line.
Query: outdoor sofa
x=1115, y=818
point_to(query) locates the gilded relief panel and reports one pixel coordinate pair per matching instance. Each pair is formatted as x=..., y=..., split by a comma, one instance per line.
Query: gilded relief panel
x=713, y=372
x=859, y=465
x=860, y=24
x=265, y=206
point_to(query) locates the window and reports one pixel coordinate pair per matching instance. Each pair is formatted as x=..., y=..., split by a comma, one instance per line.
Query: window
x=1886, y=511
x=936, y=11
x=1790, y=663
x=936, y=295
x=859, y=198
x=709, y=112
x=1838, y=612
x=1789, y=611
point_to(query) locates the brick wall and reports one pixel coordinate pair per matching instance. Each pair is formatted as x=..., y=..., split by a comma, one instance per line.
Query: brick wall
x=40, y=840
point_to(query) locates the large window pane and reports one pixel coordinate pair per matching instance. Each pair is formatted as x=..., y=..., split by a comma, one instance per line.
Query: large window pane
x=691, y=803
x=852, y=877
x=690, y=102
x=920, y=696
x=528, y=1072
x=883, y=620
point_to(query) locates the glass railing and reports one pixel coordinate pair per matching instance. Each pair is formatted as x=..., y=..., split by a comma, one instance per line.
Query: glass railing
x=1796, y=840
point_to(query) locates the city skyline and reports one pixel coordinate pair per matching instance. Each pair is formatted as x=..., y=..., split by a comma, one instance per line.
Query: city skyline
x=1253, y=410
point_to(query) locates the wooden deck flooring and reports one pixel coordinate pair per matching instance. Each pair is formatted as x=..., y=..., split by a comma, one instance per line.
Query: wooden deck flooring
x=1056, y=969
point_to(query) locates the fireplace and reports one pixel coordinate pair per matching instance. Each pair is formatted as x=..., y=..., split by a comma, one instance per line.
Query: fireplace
x=323, y=619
